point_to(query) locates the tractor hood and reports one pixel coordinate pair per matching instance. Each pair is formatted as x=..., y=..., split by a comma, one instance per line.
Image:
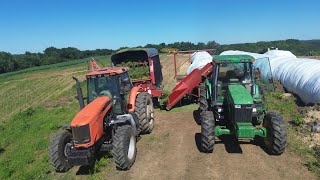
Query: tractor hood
x=239, y=95
x=91, y=112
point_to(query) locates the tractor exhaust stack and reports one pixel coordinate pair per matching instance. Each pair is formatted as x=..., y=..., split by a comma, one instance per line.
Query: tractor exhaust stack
x=79, y=93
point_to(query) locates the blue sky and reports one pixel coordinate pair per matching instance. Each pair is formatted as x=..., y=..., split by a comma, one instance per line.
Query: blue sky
x=37, y=24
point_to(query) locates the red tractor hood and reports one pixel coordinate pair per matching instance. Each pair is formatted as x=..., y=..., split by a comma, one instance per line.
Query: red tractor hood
x=92, y=111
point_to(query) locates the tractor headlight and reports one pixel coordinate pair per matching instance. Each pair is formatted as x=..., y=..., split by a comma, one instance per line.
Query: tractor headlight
x=237, y=106
x=254, y=110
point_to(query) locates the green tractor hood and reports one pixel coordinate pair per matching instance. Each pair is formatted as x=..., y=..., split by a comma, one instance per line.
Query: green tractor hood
x=239, y=95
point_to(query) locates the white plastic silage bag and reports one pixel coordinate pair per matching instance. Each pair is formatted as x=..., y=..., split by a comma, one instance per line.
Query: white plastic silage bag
x=301, y=76
x=199, y=60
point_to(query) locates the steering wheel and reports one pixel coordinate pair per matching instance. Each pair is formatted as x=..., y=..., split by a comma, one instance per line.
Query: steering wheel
x=105, y=93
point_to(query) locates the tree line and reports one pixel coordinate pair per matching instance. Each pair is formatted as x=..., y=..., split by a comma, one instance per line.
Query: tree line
x=52, y=55
x=297, y=47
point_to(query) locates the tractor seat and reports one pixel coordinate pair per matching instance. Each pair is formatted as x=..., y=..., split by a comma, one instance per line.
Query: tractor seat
x=231, y=77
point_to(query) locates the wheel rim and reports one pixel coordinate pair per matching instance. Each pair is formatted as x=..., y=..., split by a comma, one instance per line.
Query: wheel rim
x=132, y=147
x=66, y=150
x=150, y=115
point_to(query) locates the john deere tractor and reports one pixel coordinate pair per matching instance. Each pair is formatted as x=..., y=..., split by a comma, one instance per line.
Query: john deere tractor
x=115, y=115
x=232, y=103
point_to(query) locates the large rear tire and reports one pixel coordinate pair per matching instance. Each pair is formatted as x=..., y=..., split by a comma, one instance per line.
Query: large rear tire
x=276, y=139
x=203, y=97
x=207, y=131
x=57, y=151
x=124, y=149
x=145, y=111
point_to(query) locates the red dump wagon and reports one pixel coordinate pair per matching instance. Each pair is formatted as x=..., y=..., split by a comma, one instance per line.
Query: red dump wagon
x=139, y=58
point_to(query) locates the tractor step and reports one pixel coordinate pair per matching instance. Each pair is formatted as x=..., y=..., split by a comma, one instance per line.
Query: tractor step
x=106, y=147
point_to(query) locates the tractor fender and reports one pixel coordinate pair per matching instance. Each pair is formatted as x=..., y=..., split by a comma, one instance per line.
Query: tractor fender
x=126, y=119
x=132, y=98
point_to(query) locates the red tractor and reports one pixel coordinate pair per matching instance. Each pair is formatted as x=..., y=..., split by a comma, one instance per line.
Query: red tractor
x=115, y=115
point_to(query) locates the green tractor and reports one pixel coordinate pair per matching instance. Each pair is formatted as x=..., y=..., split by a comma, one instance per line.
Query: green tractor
x=231, y=103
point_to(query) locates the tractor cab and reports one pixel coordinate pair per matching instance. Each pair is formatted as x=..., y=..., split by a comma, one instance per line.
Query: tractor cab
x=235, y=90
x=232, y=70
x=112, y=82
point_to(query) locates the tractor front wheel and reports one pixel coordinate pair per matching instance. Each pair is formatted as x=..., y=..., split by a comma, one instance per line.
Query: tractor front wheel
x=57, y=151
x=207, y=131
x=203, y=97
x=145, y=111
x=276, y=139
x=124, y=149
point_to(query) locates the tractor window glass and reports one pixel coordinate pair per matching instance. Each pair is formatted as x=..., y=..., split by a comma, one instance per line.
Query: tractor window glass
x=234, y=73
x=102, y=86
x=125, y=80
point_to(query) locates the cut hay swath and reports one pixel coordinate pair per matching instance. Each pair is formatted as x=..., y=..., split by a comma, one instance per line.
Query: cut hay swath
x=18, y=95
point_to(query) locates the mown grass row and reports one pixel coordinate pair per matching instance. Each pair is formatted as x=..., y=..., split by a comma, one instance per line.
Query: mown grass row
x=32, y=87
x=29, y=93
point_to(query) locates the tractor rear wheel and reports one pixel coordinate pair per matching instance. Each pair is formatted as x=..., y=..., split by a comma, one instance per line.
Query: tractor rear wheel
x=124, y=149
x=203, y=97
x=57, y=151
x=207, y=131
x=145, y=111
x=276, y=139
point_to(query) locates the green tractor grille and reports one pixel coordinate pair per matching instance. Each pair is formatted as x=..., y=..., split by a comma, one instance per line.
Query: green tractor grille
x=243, y=114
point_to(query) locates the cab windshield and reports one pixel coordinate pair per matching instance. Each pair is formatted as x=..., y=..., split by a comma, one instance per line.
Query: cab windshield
x=102, y=86
x=234, y=73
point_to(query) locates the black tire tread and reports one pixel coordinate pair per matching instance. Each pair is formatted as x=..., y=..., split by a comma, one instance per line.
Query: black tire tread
x=119, y=152
x=207, y=131
x=54, y=157
x=278, y=132
x=141, y=111
x=203, y=99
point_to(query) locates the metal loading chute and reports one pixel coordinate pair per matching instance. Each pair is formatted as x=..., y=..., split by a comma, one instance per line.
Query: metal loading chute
x=187, y=84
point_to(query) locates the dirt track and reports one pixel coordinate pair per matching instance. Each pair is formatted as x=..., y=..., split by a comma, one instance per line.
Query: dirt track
x=170, y=152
